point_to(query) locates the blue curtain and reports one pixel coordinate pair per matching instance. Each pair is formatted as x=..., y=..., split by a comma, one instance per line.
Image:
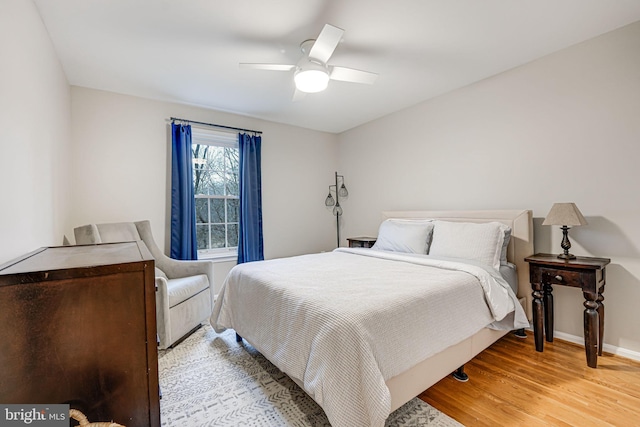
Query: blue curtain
x=183, y=205
x=250, y=246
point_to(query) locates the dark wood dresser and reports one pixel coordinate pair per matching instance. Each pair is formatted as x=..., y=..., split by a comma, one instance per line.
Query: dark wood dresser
x=78, y=326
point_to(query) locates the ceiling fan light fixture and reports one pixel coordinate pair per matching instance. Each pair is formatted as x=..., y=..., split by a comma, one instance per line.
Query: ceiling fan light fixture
x=311, y=73
x=311, y=81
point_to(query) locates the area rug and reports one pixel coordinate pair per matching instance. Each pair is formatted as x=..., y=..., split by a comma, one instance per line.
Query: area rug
x=211, y=380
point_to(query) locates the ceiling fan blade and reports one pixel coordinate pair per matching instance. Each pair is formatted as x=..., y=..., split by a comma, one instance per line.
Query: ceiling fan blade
x=352, y=75
x=326, y=43
x=270, y=67
x=298, y=95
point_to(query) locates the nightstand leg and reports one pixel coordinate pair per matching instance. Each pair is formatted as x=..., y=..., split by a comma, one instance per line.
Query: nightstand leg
x=538, y=310
x=591, y=329
x=548, y=312
x=600, y=320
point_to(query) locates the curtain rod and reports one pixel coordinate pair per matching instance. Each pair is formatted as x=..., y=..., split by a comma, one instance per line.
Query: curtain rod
x=215, y=125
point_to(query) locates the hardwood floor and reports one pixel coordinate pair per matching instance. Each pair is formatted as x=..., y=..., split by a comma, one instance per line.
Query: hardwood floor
x=510, y=384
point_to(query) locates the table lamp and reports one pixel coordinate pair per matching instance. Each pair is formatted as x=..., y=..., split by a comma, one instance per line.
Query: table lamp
x=565, y=214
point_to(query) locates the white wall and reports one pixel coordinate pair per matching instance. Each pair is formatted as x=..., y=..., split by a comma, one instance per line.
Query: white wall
x=35, y=123
x=563, y=128
x=121, y=170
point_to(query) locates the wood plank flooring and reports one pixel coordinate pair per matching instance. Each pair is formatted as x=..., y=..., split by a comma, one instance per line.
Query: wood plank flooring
x=510, y=384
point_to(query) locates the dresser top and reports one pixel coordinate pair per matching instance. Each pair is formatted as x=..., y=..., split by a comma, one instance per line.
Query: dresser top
x=82, y=256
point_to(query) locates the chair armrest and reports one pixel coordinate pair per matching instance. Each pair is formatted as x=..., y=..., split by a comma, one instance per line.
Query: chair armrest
x=175, y=269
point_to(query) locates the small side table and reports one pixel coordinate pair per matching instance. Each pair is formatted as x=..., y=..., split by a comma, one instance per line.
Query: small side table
x=361, y=242
x=586, y=273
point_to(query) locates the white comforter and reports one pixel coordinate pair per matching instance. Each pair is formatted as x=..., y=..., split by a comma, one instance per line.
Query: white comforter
x=342, y=323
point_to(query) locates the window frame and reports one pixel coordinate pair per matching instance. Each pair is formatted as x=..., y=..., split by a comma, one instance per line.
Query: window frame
x=224, y=139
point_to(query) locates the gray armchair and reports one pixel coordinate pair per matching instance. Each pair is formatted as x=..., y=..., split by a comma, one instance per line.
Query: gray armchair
x=184, y=297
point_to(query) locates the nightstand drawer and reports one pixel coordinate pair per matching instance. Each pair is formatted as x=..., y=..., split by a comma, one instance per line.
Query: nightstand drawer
x=560, y=277
x=588, y=280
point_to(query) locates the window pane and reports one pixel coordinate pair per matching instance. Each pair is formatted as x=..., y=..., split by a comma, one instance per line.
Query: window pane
x=208, y=182
x=232, y=235
x=200, y=180
x=233, y=186
x=202, y=210
x=202, y=236
x=217, y=210
x=233, y=206
x=232, y=159
x=215, y=158
x=216, y=167
x=198, y=183
x=199, y=153
x=216, y=183
x=217, y=236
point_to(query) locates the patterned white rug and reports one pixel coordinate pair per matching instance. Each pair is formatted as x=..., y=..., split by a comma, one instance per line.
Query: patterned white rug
x=210, y=380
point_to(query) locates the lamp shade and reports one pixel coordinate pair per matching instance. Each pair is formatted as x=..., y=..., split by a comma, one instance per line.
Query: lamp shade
x=343, y=191
x=564, y=214
x=329, y=200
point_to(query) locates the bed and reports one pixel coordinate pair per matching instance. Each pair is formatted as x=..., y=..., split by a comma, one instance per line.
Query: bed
x=363, y=331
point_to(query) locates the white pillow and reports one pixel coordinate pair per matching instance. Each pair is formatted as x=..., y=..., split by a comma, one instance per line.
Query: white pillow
x=480, y=242
x=404, y=235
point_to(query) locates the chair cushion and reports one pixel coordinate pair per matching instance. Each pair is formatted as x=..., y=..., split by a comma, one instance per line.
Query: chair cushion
x=182, y=289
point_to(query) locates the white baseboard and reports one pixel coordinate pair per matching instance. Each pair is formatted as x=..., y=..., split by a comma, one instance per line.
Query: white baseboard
x=618, y=351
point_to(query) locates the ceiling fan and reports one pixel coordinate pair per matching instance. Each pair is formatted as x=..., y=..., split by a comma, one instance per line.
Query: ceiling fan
x=311, y=73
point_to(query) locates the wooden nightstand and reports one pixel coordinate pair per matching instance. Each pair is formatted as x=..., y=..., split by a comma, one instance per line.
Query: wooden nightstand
x=361, y=242
x=586, y=273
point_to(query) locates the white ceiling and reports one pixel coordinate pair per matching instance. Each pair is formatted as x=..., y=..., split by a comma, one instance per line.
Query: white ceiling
x=188, y=51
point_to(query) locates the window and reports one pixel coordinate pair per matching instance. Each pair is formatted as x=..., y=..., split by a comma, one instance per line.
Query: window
x=216, y=167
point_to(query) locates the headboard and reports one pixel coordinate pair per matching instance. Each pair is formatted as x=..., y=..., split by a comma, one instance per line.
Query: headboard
x=520, y=245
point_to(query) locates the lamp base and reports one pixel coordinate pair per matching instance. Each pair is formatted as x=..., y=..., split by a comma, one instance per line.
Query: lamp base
x=566, y=244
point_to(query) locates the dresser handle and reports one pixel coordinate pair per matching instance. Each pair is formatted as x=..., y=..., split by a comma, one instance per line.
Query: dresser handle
x=559, y=278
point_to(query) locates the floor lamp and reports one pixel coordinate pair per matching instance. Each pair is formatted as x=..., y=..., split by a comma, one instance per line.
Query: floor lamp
x=330, y=201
